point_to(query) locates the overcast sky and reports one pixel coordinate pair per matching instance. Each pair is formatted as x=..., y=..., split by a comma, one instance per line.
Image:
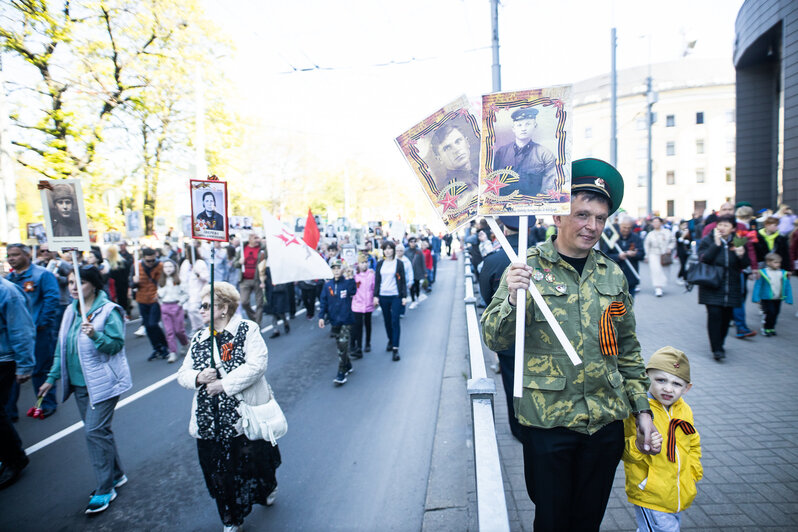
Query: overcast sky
x=351, y=75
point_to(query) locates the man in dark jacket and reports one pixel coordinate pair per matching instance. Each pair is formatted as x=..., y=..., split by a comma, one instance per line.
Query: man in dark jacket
x=336, y=307
x=631, y=253
x=416, y=257
x=489, y=278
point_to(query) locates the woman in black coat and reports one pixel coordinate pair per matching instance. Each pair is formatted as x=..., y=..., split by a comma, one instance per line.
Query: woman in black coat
x=717, y=249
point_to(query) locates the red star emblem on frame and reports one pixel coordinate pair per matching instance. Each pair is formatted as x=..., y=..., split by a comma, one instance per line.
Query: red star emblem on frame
x=494, y=186
x=448, y=202
x=288, y=238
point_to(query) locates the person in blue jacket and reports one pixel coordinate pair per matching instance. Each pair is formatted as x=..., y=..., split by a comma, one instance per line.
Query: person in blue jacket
x=17, y=335
x=336, y=307
x=44, y=299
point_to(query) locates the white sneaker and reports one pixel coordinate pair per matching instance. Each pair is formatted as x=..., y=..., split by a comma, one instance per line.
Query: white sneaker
x=141, y=331
x=679, y=282
x=271, y=497
x=658, y=292
x=412, y=305
x=172, y=357
x=231, y=529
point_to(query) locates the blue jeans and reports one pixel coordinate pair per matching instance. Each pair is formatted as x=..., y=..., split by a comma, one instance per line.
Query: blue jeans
x=100, y=439
x=739, y=312
x=391, y=307
x=45, y=347
x=150, y=317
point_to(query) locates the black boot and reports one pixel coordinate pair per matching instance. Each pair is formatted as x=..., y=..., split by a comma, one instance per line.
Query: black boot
x=395, y=356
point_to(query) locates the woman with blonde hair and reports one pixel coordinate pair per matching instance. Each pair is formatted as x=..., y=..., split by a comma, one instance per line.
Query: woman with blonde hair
x=238, y=472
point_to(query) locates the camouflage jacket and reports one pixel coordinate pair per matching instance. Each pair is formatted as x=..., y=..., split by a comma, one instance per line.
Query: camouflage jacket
x=595, y=312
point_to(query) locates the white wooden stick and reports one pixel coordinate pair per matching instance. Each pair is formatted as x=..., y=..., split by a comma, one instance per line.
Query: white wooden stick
x=537, y=297
x=76, y=269
x=136, y=259
x=520, y=312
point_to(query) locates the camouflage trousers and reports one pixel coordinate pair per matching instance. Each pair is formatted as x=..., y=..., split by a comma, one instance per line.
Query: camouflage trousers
x=342, y=334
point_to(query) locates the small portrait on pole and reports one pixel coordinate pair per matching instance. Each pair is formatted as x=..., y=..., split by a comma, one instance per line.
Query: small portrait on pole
x=525, y=155
x=443, y=152
x=36, y=234
x=209, y=209
x=64, y=213
x=134, y=224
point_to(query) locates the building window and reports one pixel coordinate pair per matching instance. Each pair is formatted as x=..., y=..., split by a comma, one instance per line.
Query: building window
x=642, y=150
x=670, y=148
x=699, y=146
x=670, y=121
x=670, y=177
x=588, y=132
x=671, y=207
x=699, y=117
x=642, y=180
x=699, y=175
x=641, y=124
x=699, y=206
x=730, y=147
x=729, y=174
x=730, y=116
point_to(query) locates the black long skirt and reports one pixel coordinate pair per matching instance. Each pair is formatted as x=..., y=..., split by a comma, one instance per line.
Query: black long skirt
x=238, y=473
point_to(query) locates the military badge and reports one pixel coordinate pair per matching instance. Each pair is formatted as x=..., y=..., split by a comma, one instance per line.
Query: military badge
x=538, y=275
x=561, y=288
x=28, y=286
x=549, y=277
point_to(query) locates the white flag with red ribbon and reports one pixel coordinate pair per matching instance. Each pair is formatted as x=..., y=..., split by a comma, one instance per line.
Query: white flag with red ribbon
x=290, y=258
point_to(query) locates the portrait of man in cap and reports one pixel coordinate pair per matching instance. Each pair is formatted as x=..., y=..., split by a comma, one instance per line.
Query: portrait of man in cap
x=534, y=163
x=451, y=145
x=64, y=213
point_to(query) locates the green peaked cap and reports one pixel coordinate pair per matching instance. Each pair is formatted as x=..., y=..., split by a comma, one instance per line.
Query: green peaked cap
x=598, y=176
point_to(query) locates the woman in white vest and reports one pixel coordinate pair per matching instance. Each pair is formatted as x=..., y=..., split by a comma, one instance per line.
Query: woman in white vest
x=91, y=364
x=238, y=472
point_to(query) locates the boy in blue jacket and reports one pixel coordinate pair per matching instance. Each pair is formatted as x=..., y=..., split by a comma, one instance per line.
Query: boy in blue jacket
x=336, y=307
x=772, y=287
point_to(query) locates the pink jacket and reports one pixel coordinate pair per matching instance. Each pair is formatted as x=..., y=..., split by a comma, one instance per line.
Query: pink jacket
x=363, y=301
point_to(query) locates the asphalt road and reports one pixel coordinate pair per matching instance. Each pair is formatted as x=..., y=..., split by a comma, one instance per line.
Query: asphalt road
x=355, y=457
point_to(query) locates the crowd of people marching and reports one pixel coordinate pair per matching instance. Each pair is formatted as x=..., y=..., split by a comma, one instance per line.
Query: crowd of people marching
x=46, y=336
x=754, y=252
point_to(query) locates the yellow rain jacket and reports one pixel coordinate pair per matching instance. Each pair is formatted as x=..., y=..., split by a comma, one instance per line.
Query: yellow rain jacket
x=657, y=482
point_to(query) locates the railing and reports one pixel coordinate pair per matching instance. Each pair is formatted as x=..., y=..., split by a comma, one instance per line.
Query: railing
x=491, y=504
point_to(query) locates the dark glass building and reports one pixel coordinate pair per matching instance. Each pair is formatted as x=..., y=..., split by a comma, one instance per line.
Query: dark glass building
x=766, y=61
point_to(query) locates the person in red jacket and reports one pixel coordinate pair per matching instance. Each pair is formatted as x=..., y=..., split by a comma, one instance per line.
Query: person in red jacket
x=429, y=264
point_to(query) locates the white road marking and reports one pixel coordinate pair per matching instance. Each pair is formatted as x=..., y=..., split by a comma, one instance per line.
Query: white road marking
x=126, y=401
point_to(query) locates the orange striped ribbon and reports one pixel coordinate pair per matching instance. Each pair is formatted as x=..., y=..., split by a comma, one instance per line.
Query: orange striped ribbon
x=607, y=342
x=686, y=427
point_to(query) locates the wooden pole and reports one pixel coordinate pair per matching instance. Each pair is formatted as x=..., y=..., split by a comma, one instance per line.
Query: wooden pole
x=76, y=269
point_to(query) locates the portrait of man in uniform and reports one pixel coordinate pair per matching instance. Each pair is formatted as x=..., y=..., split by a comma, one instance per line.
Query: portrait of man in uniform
x=64, y=211
x=534, y=163
x=451, y=144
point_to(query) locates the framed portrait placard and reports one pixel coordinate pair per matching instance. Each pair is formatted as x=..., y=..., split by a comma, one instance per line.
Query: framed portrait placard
x=525, y=152
x=64, y=214
x=208, y=210
x=36, y=234
x=443, y=152
x=134, y=225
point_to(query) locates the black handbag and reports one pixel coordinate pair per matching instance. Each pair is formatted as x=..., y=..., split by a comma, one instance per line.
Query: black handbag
x=706, y=275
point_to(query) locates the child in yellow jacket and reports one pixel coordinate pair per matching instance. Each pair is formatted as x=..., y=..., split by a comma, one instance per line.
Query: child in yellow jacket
x=660, y=486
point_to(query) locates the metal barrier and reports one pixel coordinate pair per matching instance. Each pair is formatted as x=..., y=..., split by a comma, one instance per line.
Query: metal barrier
x=491, y=504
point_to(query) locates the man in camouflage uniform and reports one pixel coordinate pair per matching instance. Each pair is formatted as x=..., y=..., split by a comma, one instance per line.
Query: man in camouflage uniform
x=336, y=307
x=572, y=416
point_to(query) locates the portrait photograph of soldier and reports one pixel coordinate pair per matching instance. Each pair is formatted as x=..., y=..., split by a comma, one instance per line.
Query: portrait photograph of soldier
x=209, y=210
x=525, y=164
x=443, y=152
x=36, y=234
x=64, y=213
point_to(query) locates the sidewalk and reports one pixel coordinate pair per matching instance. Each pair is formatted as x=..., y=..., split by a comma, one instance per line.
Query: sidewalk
x=745, y=411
